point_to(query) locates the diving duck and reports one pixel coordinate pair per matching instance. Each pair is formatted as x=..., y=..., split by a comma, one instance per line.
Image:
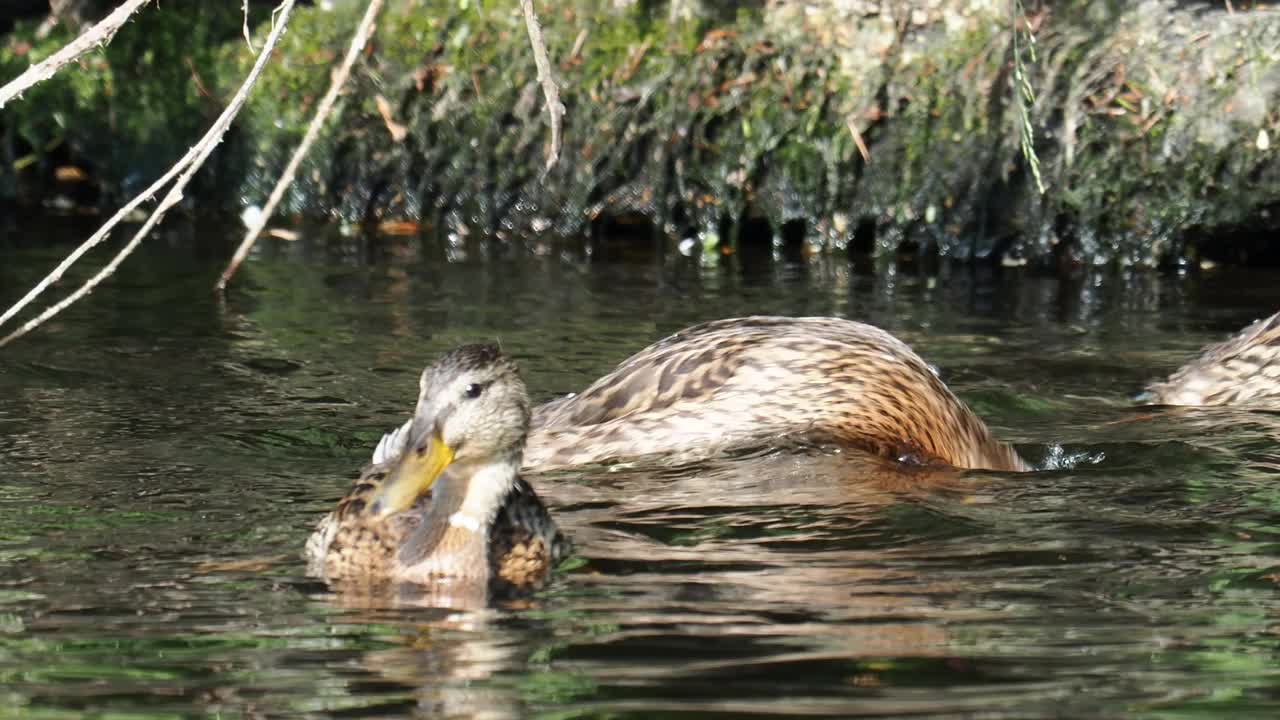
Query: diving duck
x=450, y=506
x=1242, y=370
x=762, y=380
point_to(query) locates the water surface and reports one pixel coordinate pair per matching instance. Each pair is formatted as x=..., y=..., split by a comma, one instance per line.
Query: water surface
x=164, y=453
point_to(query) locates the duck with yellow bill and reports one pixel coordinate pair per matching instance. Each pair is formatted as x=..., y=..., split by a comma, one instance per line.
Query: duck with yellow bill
x=450, y=506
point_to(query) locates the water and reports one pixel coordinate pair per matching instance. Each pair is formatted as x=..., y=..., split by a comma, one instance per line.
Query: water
x=164, y=453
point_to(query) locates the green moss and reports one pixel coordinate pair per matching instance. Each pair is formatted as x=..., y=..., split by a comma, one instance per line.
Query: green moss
x=694, y=122
x=127, y=110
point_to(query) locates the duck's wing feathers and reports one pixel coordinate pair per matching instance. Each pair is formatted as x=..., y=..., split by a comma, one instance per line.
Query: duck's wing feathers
x=391, y=445
x=690, y=364
x=343, y=543
x=525, y=544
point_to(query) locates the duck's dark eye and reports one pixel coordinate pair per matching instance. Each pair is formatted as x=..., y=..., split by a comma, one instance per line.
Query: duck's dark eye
x=473, y=390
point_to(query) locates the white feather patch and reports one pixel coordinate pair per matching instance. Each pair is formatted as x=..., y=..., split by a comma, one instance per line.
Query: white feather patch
x=392, y=444
x=465, y=521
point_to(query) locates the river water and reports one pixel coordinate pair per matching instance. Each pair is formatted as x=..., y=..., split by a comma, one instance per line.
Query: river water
x=164, y=453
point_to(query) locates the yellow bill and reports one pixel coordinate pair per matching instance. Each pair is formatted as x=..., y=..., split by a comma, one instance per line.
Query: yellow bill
x=412, y=476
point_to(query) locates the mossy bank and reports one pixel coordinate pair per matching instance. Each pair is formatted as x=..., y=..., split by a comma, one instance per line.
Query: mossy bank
x=812, y=127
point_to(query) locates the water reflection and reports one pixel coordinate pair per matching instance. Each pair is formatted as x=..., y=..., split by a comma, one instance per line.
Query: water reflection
x=164, y=453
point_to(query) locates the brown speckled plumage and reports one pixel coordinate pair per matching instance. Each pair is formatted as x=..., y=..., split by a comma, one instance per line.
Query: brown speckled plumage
x=524, y=542
x=762, y=379
x=1243, y=370
x=514, y=544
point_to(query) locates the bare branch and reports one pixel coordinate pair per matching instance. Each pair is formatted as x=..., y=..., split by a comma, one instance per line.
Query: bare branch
x=248, y=38
x=339, y=79
x=101, y=234
x=857, y=139
x=552, y=93
x=192, y=161
x=99, y=34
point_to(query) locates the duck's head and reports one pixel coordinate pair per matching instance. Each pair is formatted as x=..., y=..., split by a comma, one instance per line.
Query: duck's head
x=472, y=416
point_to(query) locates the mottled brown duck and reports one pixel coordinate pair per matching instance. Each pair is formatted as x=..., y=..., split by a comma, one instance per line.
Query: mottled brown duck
x=451, y=506
x=1242, y=370
x=762, y=380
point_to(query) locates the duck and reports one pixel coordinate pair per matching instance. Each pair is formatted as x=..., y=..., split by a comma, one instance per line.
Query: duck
x=1243, y=370
x=450, y=505
x=762, y=380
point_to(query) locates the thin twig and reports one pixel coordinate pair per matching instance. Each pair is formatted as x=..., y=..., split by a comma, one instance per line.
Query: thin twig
x=857, y=139
x=358, y=41
x=193, y=160
x=99, y=34
x=100, y=235
x=248, y=39
x=552, y=93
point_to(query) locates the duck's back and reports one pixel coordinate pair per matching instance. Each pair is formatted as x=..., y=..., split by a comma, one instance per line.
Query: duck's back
x=1243, y=370
x=762, y=379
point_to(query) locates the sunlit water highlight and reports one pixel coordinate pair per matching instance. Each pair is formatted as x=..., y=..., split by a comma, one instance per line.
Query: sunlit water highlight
x=163, y=454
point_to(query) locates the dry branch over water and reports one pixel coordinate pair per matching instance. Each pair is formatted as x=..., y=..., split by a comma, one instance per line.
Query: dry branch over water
x=339, y=80
x=336, y=84
x=555, y=110
x=195, y=157
x=96, y=36
x=184, y=169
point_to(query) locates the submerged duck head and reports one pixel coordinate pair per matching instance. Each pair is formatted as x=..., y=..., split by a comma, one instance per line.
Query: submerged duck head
x=472, y=418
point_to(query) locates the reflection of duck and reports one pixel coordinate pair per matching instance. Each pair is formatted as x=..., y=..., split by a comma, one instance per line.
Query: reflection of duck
x=759, y=380
x=1242, y=370
x=452, y=505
